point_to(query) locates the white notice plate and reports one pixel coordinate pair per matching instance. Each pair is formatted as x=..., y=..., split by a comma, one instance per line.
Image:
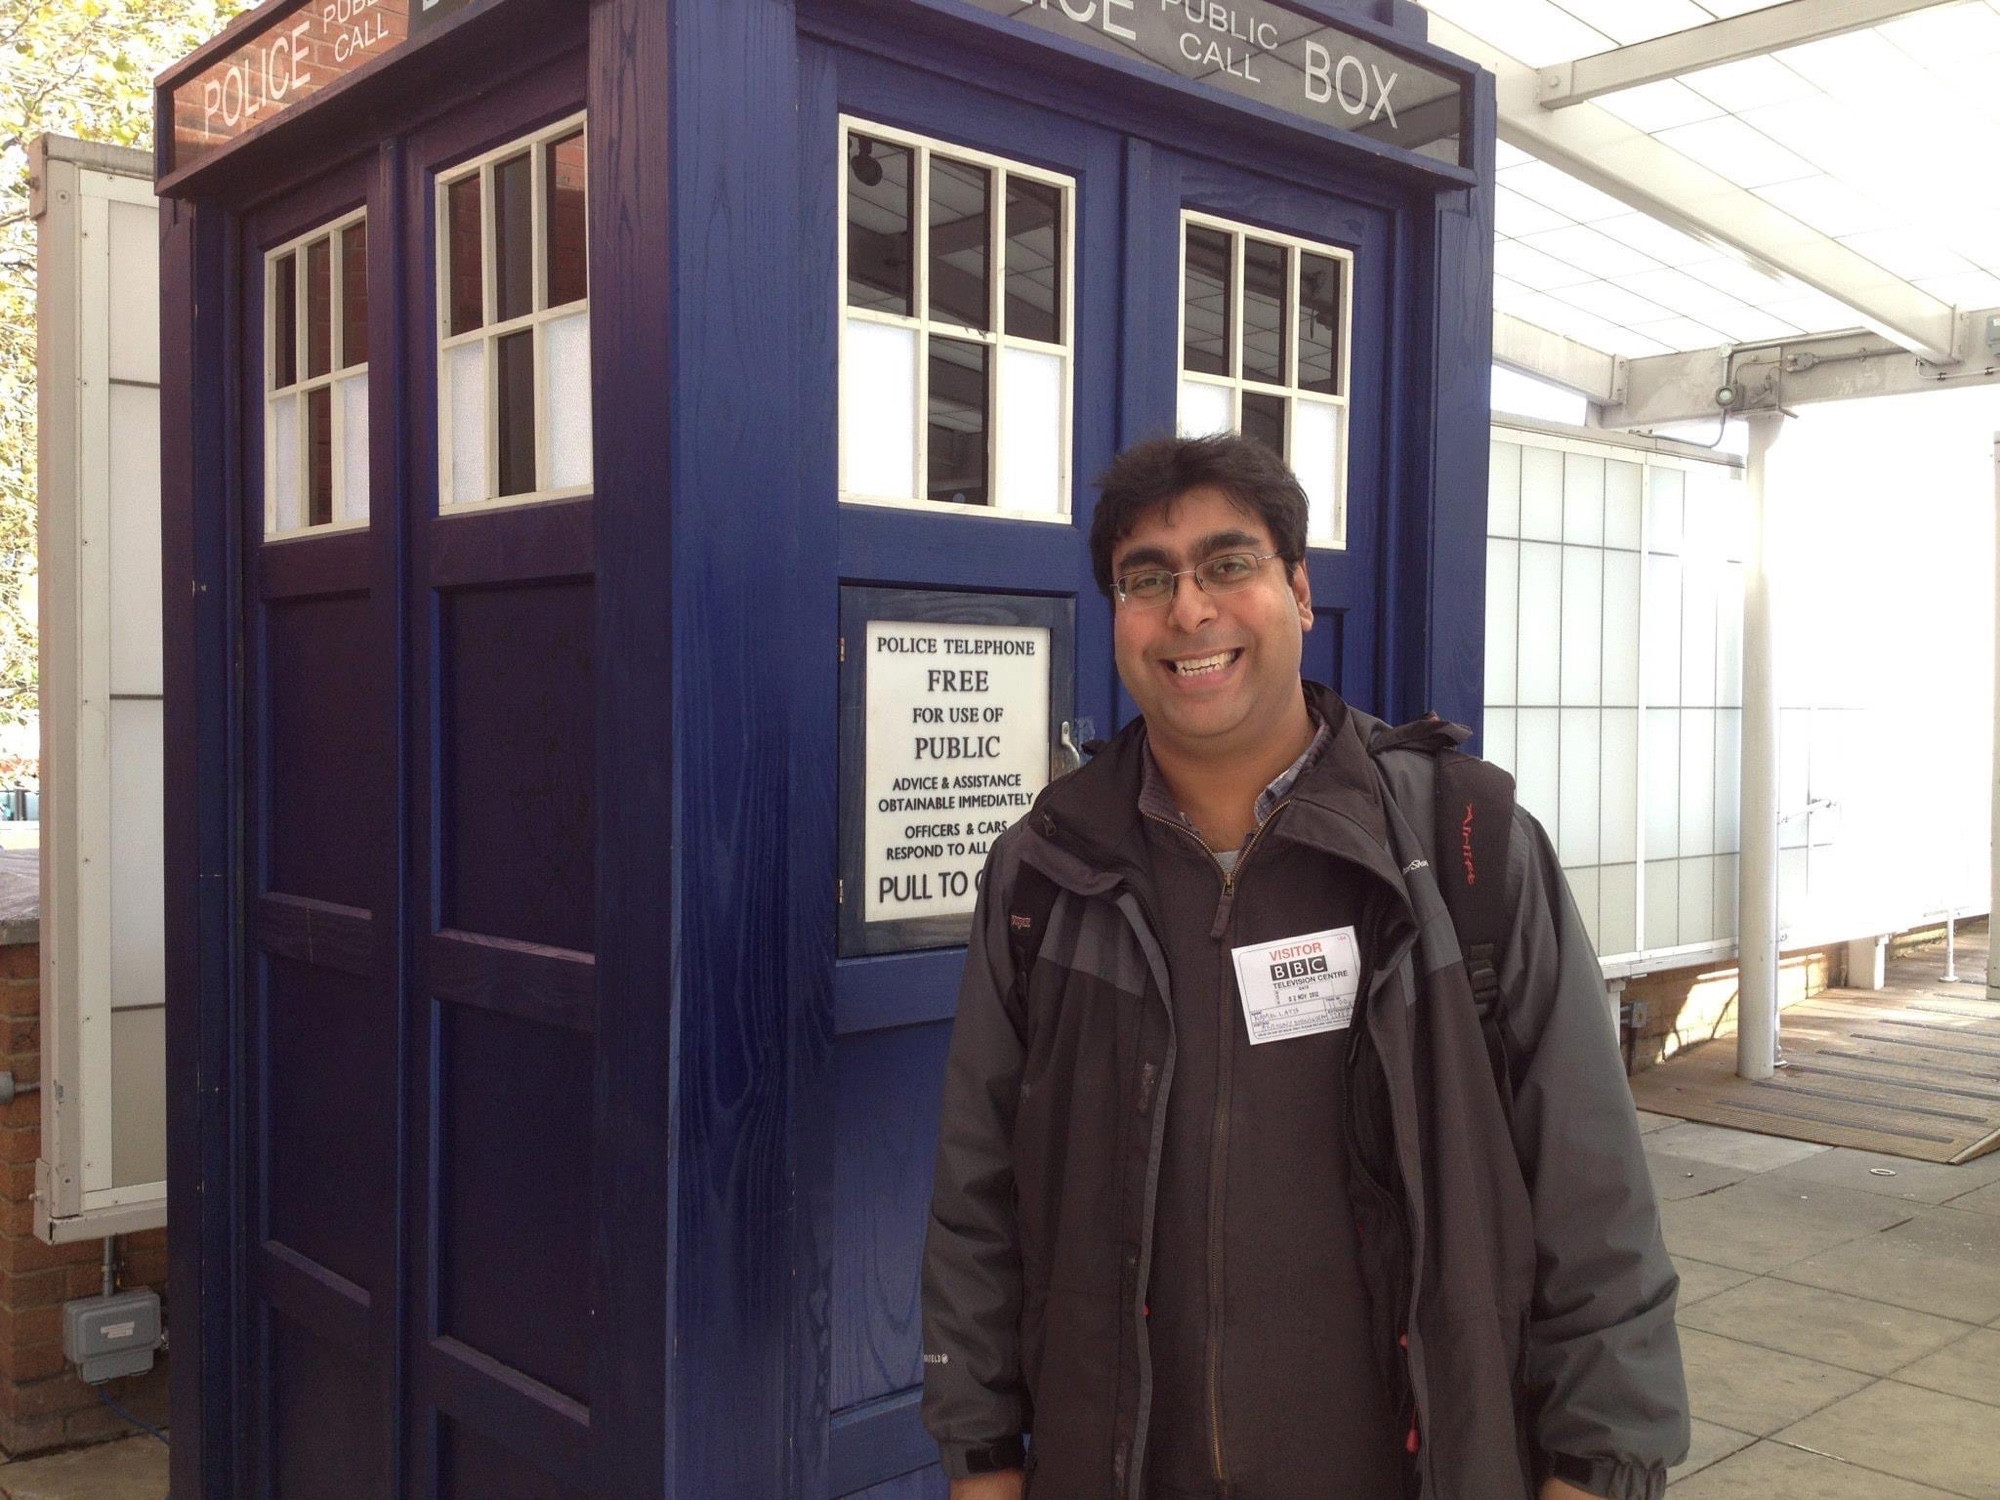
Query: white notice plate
x=1299, y=986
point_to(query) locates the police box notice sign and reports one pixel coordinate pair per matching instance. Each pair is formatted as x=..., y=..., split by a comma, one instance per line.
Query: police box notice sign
x=952, y=707
x=958, y=745
x=1260, y=50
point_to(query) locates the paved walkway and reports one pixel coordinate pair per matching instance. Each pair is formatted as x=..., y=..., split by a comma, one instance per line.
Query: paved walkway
x=1840, y=1314
x=1840, y=1317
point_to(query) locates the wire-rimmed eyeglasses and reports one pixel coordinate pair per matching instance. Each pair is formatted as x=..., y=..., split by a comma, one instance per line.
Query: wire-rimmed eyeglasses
x=1221, y=574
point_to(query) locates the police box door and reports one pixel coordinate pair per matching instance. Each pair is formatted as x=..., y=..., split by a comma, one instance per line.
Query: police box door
x=1018, y=290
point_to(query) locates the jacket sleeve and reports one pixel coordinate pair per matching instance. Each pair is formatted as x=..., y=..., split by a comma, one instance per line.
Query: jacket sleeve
x=974, y=1397
x=1603, y=1361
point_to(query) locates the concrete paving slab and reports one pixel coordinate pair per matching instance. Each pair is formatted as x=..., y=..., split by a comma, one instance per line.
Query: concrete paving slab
x=1701, y=1280
x=1762, y=1223
x=1942, y=1261
x=1926, y=1436
x=1968, y=1368
x=1731, y=1148
x=1748, y=1389
x=133, y=1468
x=1676, y=1177
x=1707, y=1444
x=1893, y=1176
x=1772, y=1471
x=1985, y=1200
x=1831, y=1327
x=1650, y=1122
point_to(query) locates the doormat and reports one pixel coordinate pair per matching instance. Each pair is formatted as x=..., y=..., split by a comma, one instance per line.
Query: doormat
x=1911, y=1070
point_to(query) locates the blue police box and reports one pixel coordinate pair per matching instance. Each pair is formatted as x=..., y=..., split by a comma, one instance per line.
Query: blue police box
x=626, y=471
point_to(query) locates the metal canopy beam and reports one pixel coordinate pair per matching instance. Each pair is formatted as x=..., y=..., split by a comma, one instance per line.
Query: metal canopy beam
x=1589, y=372
x=1681, y=52
x=1665, y=388
x=1602, y=150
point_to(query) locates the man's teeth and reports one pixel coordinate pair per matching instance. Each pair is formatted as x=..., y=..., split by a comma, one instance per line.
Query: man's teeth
x=1201, y=664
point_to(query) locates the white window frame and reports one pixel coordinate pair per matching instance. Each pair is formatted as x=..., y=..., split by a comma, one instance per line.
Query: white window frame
x=332, y=231
x=922, y=325
x=536, y=319
x=1235, y=383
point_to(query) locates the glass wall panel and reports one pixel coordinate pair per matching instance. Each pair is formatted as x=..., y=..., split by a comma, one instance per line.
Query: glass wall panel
x=960, y=234
x=1034, y=252
x=463, y=257
x=1205, y=302
x=319, y=455
x=880, y=260
x=1264, y=420
x=513, y=239
x=354, y=295
x=319, y=308
x=514, y=395
x=1319, y=323
x=565, y=169
x=284, y=322
x=1264, y=320
x=959, y=396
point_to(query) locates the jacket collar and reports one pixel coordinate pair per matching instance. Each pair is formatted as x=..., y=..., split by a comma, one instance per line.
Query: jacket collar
x=1091, y=823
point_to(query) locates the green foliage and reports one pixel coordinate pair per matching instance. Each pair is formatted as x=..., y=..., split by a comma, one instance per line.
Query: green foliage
x=82, y=68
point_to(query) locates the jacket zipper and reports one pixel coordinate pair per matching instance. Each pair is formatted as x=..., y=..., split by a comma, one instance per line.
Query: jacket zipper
x=1218, y=1158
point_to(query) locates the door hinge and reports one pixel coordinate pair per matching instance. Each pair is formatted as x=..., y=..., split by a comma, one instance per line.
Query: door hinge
x=843, y=650
x=840, y=893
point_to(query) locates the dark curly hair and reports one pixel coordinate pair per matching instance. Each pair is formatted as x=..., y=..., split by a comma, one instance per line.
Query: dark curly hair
x=1155, y=473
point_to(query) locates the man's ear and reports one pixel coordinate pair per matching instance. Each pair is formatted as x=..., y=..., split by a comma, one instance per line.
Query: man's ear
x=1302, y=593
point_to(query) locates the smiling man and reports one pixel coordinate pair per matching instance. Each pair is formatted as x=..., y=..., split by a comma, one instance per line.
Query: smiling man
x=1232, y=1200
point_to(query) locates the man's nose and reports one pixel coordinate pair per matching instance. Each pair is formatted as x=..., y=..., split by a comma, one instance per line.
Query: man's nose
x=1192, y=605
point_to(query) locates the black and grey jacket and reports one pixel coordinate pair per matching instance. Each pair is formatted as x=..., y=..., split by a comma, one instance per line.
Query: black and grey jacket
x=1518, y=1284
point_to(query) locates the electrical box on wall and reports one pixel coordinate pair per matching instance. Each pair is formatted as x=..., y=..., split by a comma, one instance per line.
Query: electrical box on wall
x=113, y=1336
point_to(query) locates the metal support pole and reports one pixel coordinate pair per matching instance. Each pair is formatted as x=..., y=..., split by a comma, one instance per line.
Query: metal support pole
x=1993, y=886
x=1757, y=887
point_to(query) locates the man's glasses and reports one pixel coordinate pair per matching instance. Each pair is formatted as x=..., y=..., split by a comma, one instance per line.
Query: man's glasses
x=1222, y=574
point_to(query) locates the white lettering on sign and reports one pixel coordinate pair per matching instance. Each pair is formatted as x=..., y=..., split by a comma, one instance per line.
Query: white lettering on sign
x=1274, y=54
x=957, y=746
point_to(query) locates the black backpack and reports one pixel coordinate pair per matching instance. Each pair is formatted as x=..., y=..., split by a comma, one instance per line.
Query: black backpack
x=1471, y=817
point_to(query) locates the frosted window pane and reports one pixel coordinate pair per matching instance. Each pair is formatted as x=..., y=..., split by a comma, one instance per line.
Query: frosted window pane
x=1621, y=503
x=352, y=502
x=1791, y=887
x=1618, y=785
x=1663, y=792
x=281, y=437
x=878, y=410
x=1698, y=631
x=1661, y=626
x=1496, y=737
x=1582, y=624
x=566, y=345
x=1725, y=898
x=1031, y=419
x=1663, y=904
x=1729, y=636
x=1698, y=781
x=1537, y=746
x=1540, y=609
x=1204, y=409
x=1316, y=460
x=1583, y=891
x=1576, y=819
x=1620, y=682
x=1503, y=490
x=465, y=369
x=1794, y=741
x=1728, y=778
x=1583, y=499
x=1617, y=909
x=1541, y=494
x=1663, y=524
x=1697, y=901
x=1502, y=600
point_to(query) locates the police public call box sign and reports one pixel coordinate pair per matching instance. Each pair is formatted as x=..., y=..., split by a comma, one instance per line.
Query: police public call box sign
x=1261, y=50
x=949, y=727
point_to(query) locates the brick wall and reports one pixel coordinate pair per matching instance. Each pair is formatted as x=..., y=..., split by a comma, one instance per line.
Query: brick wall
x=42, y=1403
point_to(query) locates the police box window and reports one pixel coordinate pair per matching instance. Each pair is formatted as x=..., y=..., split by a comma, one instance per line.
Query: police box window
x=1265, y=321
x=514, y=323
x=956, y=342
x=316, y=383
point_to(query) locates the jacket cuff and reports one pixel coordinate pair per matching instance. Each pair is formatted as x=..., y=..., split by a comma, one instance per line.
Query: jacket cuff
x=1612, y=1478
x=967, y=1460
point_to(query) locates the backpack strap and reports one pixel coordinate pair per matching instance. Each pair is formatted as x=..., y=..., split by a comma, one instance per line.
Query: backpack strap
x=1475, y=818
x=1028, y=906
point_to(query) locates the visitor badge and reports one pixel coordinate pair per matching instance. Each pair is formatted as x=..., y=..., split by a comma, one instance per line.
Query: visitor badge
x=1299, y=986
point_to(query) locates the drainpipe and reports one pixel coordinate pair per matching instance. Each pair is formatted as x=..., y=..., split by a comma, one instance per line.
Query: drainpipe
x=1993, y=888
x=1757, y=883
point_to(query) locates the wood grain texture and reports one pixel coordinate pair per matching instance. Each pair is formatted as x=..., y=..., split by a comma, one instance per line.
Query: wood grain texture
x=316, y=932
x=552, y=986
x=628, y=89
